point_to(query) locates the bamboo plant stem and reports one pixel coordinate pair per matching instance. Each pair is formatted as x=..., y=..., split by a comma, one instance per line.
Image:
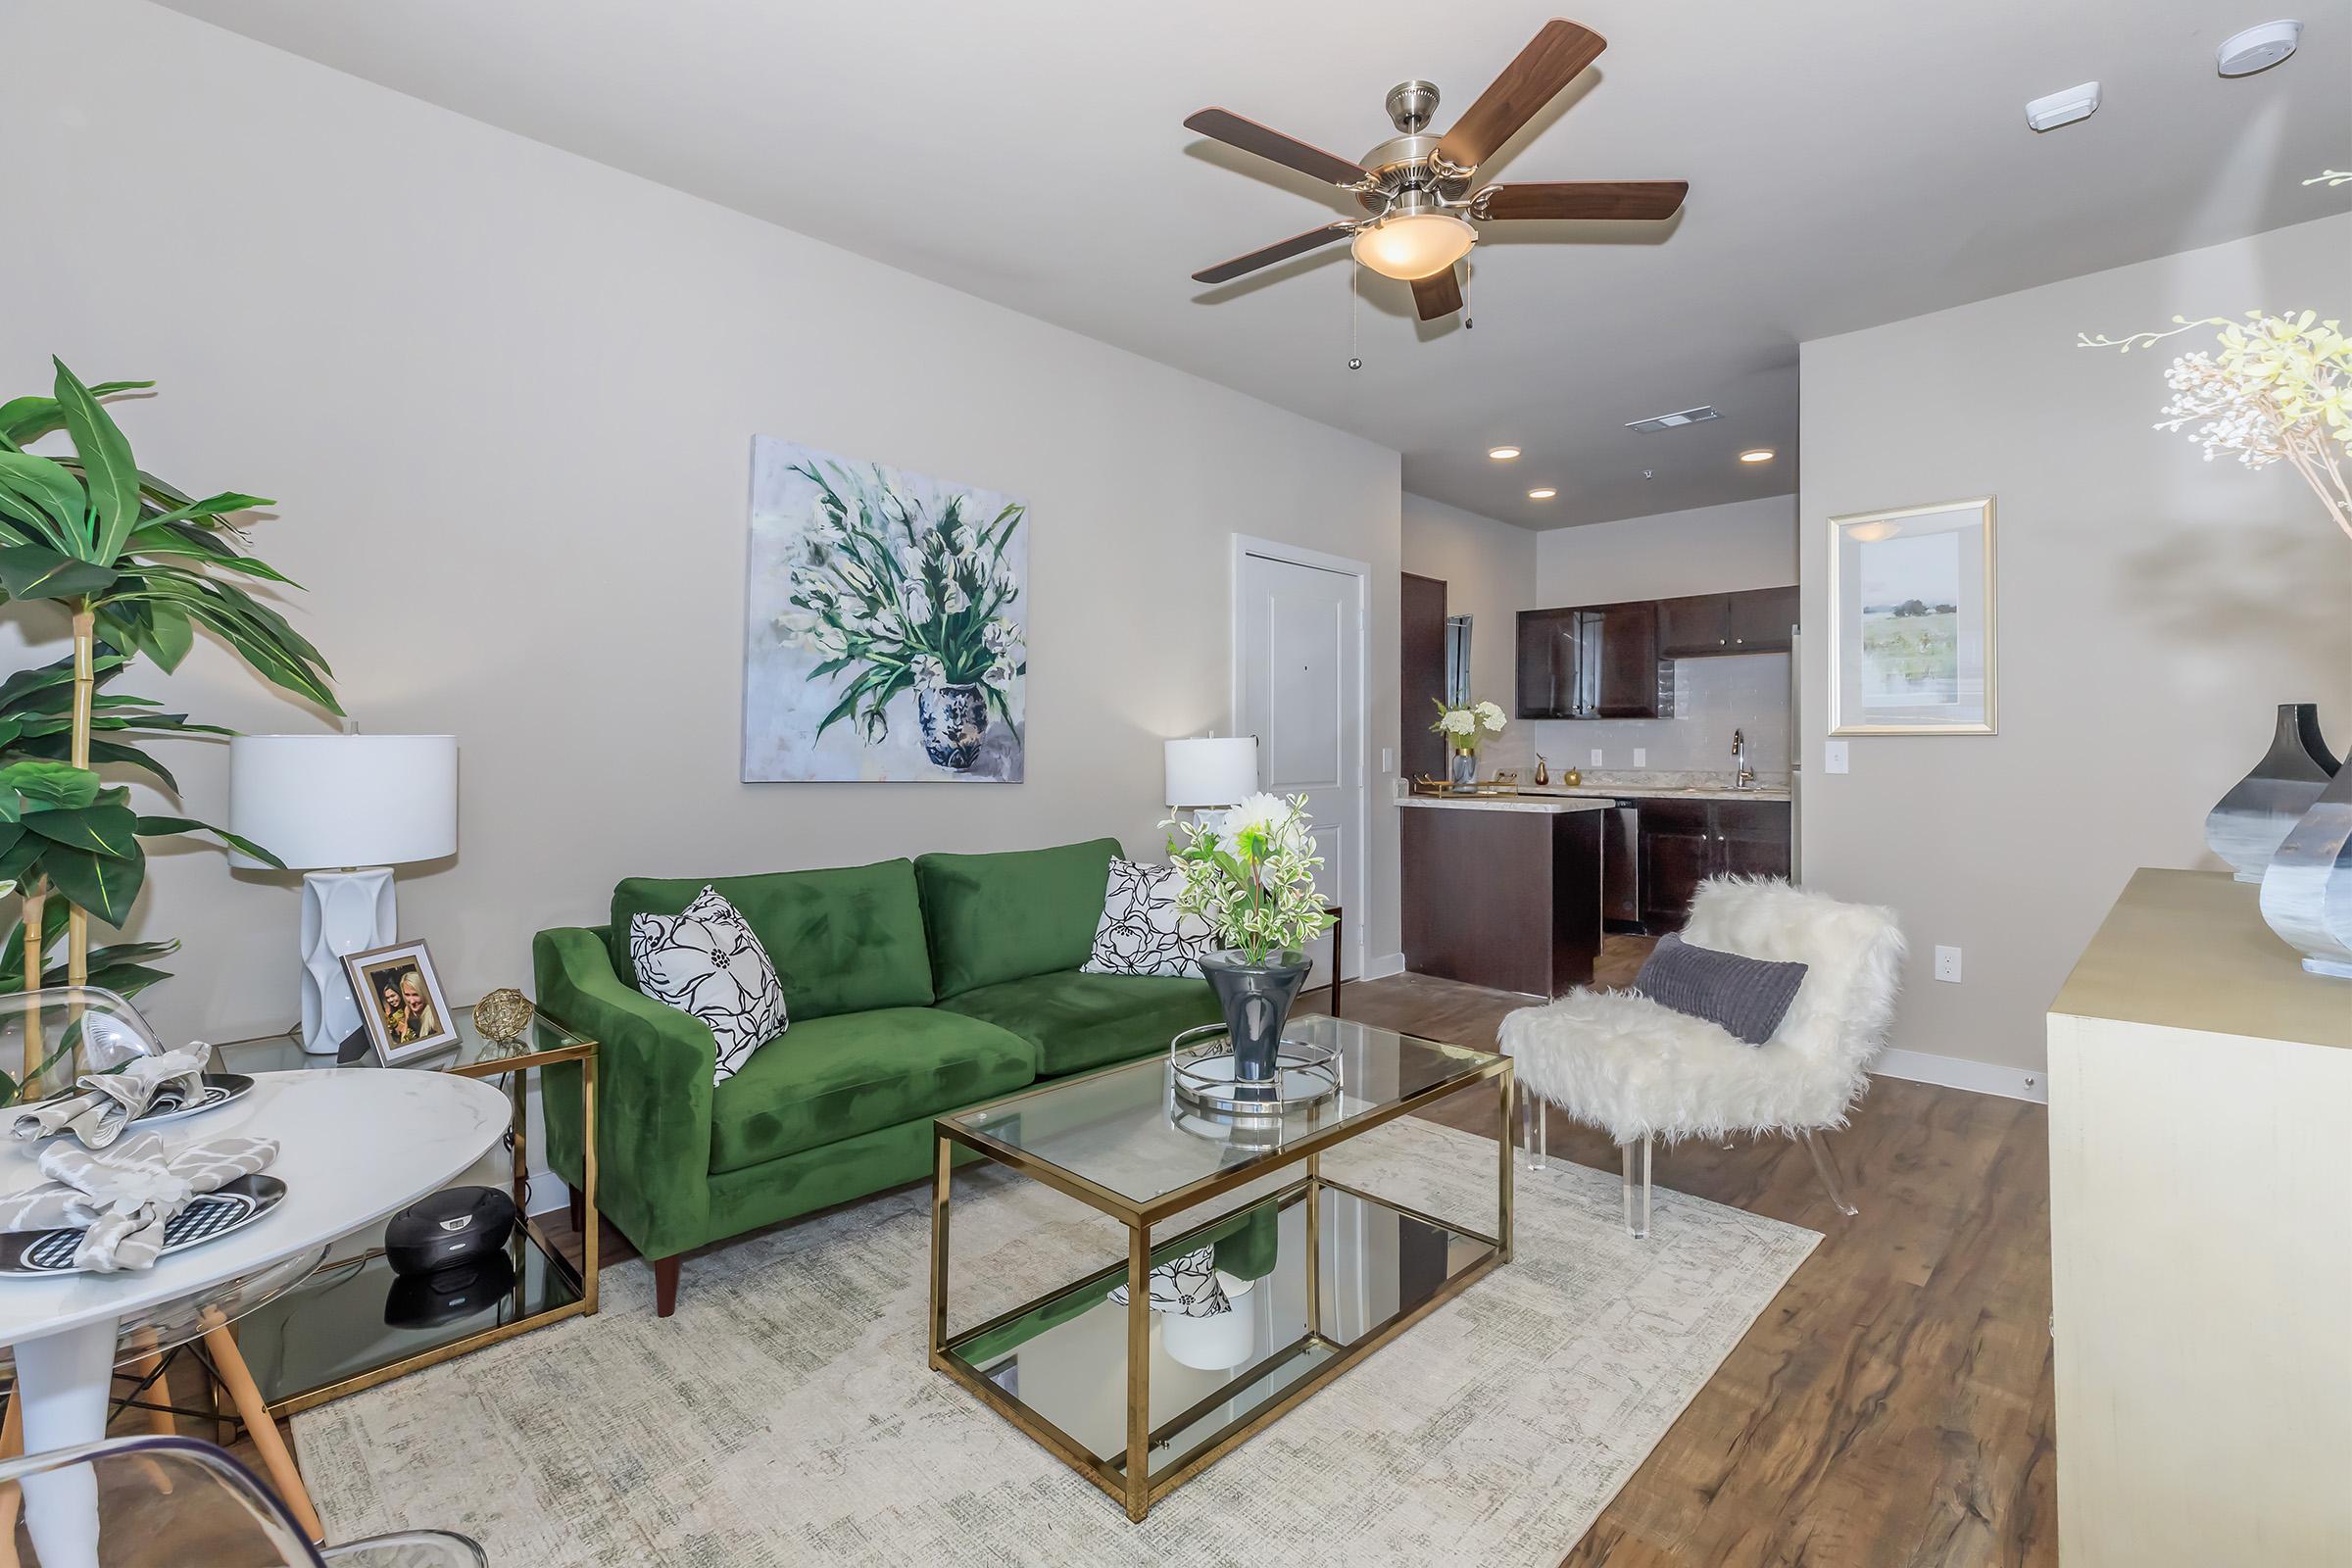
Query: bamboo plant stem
x=36, y=909
x=78, y=920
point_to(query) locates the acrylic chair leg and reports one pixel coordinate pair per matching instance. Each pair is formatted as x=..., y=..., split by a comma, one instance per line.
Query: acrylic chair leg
x=1636, y=1204
x=12, y=1446
x=1827, y=1164
x=1532, y=1128
x=254, y=1411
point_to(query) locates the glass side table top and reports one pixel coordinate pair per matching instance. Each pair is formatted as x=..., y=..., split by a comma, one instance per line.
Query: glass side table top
x=1126, y=1133
x=474, y=1053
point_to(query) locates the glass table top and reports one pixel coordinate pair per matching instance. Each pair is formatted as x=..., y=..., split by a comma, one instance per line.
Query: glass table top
x=1127, y=1132
x=471, y=1052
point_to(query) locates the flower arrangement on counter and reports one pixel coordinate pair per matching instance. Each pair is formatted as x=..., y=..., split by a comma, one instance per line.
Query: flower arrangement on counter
x=2278, y=390
x=1465, y=727
x=1250, y=873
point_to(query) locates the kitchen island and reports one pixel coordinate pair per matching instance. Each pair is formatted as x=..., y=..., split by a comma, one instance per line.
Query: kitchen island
x=1507, y=889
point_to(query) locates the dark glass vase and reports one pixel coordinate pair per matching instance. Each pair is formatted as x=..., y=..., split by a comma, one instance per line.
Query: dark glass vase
x=1256, y=1001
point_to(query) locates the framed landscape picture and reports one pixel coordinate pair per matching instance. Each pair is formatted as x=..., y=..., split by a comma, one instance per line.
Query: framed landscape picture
x=1911, y=621
x=885, y=634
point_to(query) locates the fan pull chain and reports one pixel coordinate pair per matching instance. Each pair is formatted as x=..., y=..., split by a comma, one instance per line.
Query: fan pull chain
x=1354, y=363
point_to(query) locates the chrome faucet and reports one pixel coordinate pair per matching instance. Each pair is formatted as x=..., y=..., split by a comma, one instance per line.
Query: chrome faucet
x=1746, y=778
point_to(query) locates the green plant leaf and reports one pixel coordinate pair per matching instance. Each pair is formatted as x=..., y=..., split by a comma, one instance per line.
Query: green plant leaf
x=28, y=418
x=35, y=572
x=50, y=491
x=170, y=636
x=49, y=785
x=111, y=478
x=159, y=826
x=108, y=828
x=21, y=687
x=105, y=886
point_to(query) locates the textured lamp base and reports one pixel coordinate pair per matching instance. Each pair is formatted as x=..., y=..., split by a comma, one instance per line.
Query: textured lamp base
x=342, y=912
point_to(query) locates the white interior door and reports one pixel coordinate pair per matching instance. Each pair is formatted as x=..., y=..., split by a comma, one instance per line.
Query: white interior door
x=1298, y=665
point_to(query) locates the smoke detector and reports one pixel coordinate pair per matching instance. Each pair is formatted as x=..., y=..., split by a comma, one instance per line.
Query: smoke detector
x=1667, y=421
x=2063, y=107
x=2257, y=48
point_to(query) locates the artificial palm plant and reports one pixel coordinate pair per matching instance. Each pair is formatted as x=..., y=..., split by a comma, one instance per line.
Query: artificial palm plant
x=135, y=565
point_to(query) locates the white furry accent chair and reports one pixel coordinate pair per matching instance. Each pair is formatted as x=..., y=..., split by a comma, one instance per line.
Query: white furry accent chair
x=1617, y=1061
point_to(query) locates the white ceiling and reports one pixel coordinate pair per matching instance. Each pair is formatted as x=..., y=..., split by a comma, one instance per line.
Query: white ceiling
x=1851, y=162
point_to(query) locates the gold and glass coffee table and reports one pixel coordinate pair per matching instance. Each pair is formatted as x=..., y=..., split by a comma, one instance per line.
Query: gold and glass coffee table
x=1315, y=1274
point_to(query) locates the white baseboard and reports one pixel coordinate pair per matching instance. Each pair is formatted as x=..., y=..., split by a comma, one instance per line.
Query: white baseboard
x=1381, y=967
x=1958, y=1072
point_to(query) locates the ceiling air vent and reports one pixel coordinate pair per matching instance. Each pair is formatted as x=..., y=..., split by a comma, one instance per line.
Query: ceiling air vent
x=1667, y=421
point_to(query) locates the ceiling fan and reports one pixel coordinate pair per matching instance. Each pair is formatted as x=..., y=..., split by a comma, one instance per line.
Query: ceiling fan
x=1417, y=186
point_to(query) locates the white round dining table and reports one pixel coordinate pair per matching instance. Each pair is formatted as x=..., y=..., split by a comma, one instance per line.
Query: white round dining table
x=353, y=1148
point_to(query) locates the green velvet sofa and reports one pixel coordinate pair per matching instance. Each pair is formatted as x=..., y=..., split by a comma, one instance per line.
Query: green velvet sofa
x=912, y=988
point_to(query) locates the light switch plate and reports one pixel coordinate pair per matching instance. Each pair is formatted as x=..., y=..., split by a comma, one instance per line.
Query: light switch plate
x=1833, y=756
x=1387, y=759
x=1948, y=964
x=1641, y=757
x=1595, y=762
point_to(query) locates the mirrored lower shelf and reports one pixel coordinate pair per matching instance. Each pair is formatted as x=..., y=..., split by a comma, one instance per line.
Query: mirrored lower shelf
x=1063, y=1359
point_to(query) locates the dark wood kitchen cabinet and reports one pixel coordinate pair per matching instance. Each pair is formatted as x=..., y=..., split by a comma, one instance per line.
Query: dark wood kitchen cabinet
x=1588, y=662
x=1702, y=625
x=1683, y=842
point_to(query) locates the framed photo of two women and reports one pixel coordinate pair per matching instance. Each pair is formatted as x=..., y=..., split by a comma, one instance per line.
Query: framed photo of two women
x=1911, y=621
x=402, y=1006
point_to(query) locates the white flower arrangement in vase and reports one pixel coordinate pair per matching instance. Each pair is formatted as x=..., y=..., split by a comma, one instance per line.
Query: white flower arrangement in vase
x=1465, y=729
x=1248, y=872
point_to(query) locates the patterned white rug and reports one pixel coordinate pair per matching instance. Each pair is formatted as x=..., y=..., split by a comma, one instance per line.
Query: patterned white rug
x=786, y=1413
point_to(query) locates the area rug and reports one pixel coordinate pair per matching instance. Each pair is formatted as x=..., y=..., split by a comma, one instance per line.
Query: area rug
x=786, y=1413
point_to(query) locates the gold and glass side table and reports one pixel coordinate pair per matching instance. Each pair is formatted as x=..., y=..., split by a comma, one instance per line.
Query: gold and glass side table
x=343, y=1329
x=1316, y=1274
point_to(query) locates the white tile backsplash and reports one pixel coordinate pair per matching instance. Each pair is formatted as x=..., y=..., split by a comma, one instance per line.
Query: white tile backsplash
x=1713, y=697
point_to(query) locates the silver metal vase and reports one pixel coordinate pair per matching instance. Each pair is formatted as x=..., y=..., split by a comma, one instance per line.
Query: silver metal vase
x=2248, y=824
x=1255, y=999
x=2307, y=889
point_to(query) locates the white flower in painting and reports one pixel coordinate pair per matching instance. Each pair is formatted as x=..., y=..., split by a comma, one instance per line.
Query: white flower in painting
x=929, y=672
x=1005, y=583
x=793, y=625
x=935, y=544
x=1000, y=634
x=1491, y=717
x=859, y=581
x=828, y=640
x=999, y=674
x=910, y=560
x=917, y=602
x=955, y=600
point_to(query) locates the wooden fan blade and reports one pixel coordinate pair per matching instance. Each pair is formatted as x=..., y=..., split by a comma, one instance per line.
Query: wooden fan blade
x=1438, y=295
x=1223, y=125
x=1551, y=61
x=1650, y=199
x=1280, y=251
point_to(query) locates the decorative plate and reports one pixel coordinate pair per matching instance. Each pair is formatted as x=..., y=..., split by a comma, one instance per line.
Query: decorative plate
x=219, y=1088
x=208, y=1217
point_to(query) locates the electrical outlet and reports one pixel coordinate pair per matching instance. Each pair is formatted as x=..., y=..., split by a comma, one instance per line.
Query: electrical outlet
x=1948, y=964
x=1641, y=757
x=1595, y=762
x=1833, y=756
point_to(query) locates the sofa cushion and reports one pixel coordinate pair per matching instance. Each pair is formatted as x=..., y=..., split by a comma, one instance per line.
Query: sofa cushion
x=857, y=1072
x=996, y=917
x=1078, y=1021
x=842, y=940
x=708, y=962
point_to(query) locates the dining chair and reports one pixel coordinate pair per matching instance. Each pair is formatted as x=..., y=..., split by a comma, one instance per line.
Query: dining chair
x=173, y=1503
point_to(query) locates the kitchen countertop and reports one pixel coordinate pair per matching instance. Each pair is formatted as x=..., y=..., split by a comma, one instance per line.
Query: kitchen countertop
x=1504, y=802
x=1657, y=792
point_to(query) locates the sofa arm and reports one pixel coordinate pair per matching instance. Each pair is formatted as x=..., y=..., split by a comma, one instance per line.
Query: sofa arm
x=653, y=1102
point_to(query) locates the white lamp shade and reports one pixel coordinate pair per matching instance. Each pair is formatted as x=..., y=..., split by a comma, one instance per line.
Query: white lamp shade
x=1214, y=771
x=321, y=801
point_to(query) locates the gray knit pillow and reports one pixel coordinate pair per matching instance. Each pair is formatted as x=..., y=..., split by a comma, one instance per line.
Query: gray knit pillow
x=1747, y=997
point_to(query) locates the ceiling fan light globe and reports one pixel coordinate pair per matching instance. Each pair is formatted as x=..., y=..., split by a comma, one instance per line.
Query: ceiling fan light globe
x=1415, y=246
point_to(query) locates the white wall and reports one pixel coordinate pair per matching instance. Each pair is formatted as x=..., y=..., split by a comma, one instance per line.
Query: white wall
x=1707, y=550
x=1488, y=569
x=2153, y=609
x=506, y=396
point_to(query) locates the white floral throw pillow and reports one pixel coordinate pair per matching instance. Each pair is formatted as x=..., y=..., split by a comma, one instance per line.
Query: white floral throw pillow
x=705, y=961
x=1141, y=932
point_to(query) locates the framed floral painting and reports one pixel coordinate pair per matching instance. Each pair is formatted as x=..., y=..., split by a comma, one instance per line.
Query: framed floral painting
x=1911, y=621
x=885, y=635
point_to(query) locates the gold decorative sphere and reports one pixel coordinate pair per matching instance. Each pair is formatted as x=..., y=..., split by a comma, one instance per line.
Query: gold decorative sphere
x=502, y=1015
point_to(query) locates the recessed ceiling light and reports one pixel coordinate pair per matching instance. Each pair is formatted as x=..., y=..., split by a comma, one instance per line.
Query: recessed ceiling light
x=1756, y=455
x=1542, y=492
x=2257, y=48
x=2063, y=107
x=1502, y=454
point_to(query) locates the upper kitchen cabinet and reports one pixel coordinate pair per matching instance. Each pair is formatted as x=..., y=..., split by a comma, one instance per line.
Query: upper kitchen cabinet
x=1704, y=626
x=1588, y=662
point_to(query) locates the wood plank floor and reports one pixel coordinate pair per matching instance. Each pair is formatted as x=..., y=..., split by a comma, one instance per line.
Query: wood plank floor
x=1893, y=1408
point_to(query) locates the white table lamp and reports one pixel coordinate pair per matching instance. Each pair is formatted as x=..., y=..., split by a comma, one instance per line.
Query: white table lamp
x=344, y=808
x=1215, y=771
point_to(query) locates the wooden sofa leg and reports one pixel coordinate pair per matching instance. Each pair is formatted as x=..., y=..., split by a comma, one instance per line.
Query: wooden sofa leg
x=579, y=1209
x=665, y=1285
